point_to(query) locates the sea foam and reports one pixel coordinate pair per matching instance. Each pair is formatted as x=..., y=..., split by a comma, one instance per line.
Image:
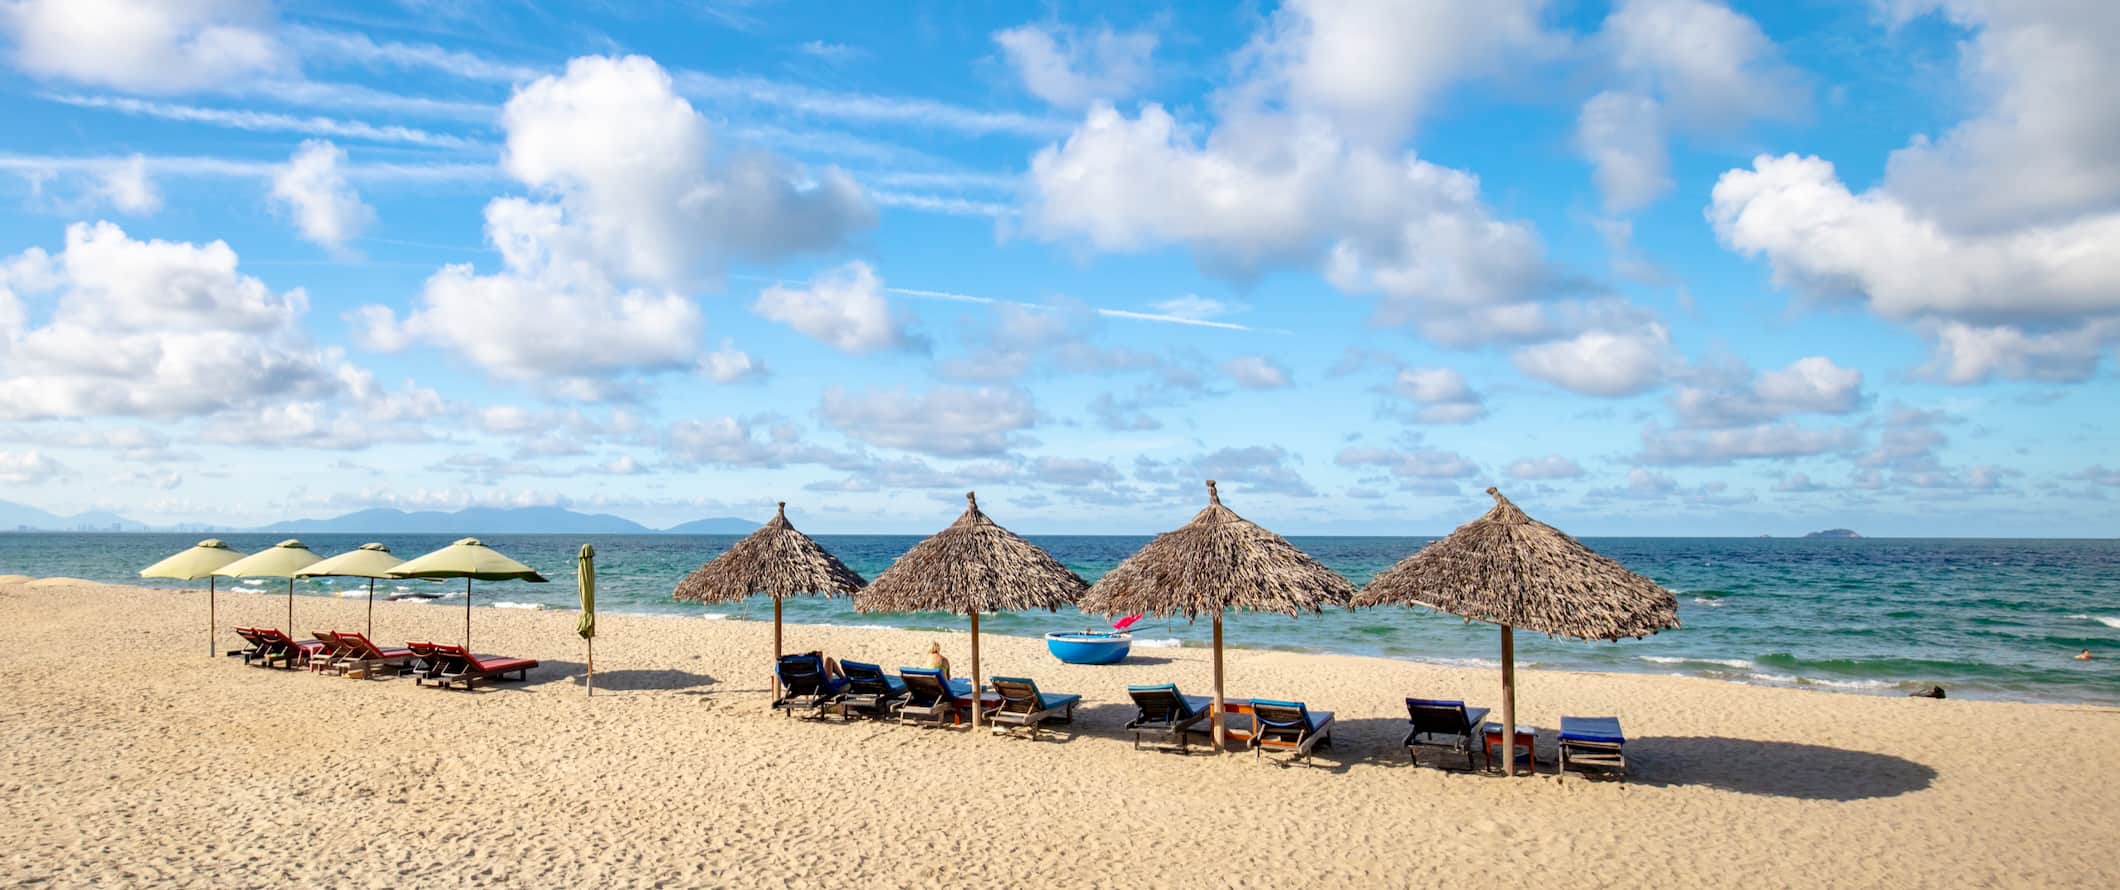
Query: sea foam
x=2107, y=620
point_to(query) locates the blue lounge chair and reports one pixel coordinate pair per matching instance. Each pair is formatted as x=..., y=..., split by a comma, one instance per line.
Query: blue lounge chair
x=1289, y=726
x=1593, y=741
x=1166, y=714
x=1444, y=725
x=928, y=697
x=804, y=687
x=869, y=690
x=1024, y=707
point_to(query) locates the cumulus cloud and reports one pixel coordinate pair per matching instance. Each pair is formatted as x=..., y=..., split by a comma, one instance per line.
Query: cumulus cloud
x=1810, y=385
x=1603, y=363
x=843, y=308
x=1622, y=135
x=127, y=187
x=1420, y=470
x=145, y=46
x=1072, y=67
x=312, y=187
x=947, y=421
x=28, y=467
x=1440, y=395
x=1552, y=466
x=731, y=365
x=151, y=328
x=592, y=281
x=1255, y=372
x=1766, y=441
x=735, y=442
x=1259, y=469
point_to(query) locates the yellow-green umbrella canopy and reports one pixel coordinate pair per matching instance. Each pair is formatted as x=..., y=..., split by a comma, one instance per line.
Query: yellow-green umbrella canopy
x=585, y=575
x=470, y=560
x=370, y=561
x=198, y=561
x=280, y=560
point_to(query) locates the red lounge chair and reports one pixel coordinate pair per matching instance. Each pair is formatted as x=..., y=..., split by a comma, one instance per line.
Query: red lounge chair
x=256, y=646
x=359, y=654
x=279, y=647
x=454, y=665
x=326, y=657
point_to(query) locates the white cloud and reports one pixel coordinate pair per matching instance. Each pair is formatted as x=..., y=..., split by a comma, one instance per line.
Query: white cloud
x=1195, y=307
x=1602, y=362
x=1374, y=66
x=348, y=46
x=731, y=365
x=946, y=421
x=28, y=467
x=591, y=284
x=1622, y=134
x=269, y=121
x=150, y=46
x=1552, y=466
x=1420, y=470
x=2031, y=302
x=155, y=328
x=1770, y=441
x=843, y=308
x=1686, y=64
x=312, y=187
x=1810, y=385
x=127, y=187
x=732, y=442
x=1255, y=372
x=1241, y=471
x=1442, y=394
x=1070, y=67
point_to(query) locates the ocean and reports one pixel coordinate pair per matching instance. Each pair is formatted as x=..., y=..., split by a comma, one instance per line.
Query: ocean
x=1983, y=618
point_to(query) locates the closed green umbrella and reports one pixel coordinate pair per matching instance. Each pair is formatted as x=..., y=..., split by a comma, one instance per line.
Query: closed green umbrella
x=585, y=575
x=200, y=560
x=280, y=560
x=472, y=561
x=370, y=561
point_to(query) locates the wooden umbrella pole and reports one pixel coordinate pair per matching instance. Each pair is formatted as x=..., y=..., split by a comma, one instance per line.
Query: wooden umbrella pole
x=591, y=682
x=290, y=606
x=1508, y=701
x=978, y=680
x=1216, y=712
x=371, y=608
x=467, y=616
x=776, y=648
x=212, y=620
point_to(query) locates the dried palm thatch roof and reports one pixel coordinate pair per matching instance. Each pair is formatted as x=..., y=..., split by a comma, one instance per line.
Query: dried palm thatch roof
x=776, y=560
x=1217, y=561
x=1507, y=568
x=971, y=567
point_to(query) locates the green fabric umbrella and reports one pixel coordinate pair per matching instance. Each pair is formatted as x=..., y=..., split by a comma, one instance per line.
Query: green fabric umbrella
x=472, y=561
x=200, y=560
x=280, y=560
x=370, y=561
x=585, y=575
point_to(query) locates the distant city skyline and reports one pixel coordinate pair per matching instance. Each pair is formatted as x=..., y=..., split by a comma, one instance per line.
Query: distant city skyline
x=1653, y=267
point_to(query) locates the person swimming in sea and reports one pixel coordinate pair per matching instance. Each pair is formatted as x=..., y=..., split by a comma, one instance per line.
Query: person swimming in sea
x=2084, y=655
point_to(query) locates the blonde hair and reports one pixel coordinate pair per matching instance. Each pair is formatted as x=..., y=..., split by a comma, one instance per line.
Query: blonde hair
x=934, y=647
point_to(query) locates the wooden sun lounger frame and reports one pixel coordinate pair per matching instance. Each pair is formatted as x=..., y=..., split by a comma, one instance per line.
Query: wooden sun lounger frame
x=1582, y=752
x=934, y=714
x=1030, y=711
x=362, y=654
x=877, y=700
x=1314, y=733
x=1465, y=740
x=802, y=692
x=456, y=665
x=1166, y=728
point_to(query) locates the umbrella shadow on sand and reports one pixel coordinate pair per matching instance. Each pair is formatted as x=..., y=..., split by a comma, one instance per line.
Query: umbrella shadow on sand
x=1776, y=769
x=613, y=681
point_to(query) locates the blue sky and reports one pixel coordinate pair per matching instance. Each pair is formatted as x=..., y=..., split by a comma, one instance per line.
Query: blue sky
x=1652, y=267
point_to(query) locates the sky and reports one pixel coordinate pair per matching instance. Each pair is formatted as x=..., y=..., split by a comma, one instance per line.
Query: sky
x=1651, y=267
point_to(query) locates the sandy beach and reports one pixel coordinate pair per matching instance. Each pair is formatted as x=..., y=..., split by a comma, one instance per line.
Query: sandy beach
x=135, y=758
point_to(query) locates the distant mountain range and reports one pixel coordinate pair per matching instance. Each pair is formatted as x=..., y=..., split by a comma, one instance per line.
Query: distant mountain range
x=469, y=521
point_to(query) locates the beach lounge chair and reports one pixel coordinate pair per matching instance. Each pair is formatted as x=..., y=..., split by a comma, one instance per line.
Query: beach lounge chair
x=278, y=648
x=1024, y=707
x=869, y=690
x=1165, y=715
x=1593, y=741
x=1288, y=726
x=460, y=666
x=359, y=654
x=427, y=661
x=255, y=645
x=804, y=687
x=328, y=652
x=1444, y=725
x=930, y=698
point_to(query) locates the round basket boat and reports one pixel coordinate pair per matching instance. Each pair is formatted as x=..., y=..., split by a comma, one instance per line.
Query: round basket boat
x=1089, y=648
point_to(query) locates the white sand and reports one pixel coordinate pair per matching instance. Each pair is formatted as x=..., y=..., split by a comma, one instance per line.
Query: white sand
x=134, y=758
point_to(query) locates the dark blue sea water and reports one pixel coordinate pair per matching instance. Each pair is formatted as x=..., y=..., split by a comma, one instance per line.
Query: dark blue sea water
x=1985, y=618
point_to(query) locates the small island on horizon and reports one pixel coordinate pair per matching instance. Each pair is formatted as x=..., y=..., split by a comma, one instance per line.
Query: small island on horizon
x=1834, y=533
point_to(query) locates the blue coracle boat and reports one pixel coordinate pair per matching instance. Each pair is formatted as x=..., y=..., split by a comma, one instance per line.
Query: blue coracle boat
x=1089, y=647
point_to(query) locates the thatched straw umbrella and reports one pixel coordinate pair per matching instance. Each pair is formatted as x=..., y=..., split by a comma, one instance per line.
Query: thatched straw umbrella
x=776, y=560
x=1216, y=562
x=1509, y=569
x=971, y=567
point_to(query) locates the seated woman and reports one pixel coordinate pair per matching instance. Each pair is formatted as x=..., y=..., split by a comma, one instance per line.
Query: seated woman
x=936, y=662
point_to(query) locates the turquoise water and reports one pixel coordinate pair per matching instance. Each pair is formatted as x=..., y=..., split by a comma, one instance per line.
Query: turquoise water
x=1985, y=618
